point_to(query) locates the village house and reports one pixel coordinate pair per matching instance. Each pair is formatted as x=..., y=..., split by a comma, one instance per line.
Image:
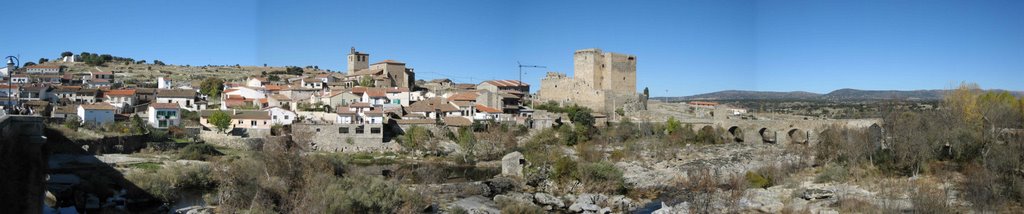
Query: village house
x=101, y=75
x=164, y=115
x=484, y=113
x=511, y=86
x=63, y=111
x=280, y=116
x=399, y=96
x=44, y=69
x=98, y=83
x=240, y=119
x=123, y=100
x=20, y=79
x=145, y=95
x=9, y=94
x=164, y=83
x=97, y=114
x=258, y=82
x=46, y=78
x=34, y=92
x=432, y=108
x=185, y=98
x=313, y=83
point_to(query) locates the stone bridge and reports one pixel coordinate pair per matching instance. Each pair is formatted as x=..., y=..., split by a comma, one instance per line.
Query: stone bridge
x=783, y=131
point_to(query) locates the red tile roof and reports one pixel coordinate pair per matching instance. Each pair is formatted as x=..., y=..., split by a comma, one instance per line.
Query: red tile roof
x=464, y=96
x=506, y=83
x=125, y=92
x=376, y=92
x=484, y=108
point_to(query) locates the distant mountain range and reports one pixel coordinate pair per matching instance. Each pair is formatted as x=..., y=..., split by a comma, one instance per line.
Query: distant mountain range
x=841, y=94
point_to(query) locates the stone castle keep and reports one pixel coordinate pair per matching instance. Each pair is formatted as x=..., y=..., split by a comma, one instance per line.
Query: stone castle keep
x=601, y=81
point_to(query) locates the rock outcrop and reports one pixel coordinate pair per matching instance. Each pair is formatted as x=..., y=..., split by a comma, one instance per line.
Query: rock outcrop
x=512, y=164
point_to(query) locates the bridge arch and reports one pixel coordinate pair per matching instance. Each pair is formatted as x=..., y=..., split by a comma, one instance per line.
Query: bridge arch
x=797, y=136
x=767, y=135
x=737, y=134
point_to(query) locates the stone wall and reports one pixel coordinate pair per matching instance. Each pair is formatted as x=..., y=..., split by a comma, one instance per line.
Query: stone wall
x=332, y=137
x=22, y=163
x=231, y=141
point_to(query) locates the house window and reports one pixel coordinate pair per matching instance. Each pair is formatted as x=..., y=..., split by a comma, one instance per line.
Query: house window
x=359, y=130
x=275, y=117
x=163, y=123
x=239, y=122
x=286, y=117
x=375, y=130
x=253, y=122
x=343, y=130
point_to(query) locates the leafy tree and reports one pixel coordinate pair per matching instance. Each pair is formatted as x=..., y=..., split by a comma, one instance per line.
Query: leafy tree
x=646, y=92
x=366, y=81
x=468, y=143
x=293, y=70
x=43, y=60
x=137, y=125
x=29, y=64
x=211, y=86
x=72, y=122
x=106, y=57
x=66, y=53
x=221, y=120
x=158, y=62
x=672, y=125
x=273, y=78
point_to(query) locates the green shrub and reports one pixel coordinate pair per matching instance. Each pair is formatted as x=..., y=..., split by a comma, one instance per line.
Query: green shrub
x=198, y=151
x=832, y=173
x=756, y=180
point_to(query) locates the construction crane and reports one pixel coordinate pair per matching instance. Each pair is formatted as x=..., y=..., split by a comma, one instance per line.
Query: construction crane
x=521, y=66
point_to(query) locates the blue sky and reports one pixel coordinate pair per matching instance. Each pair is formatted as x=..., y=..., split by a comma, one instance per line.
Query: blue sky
x=683, y=47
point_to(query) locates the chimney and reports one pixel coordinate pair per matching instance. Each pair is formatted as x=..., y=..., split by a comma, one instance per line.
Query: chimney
x=234, y=111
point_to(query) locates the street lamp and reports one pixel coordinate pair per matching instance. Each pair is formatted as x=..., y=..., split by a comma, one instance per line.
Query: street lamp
x=12, y=63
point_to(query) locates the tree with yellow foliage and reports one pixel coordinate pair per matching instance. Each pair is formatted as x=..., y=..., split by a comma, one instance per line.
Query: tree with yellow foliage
x=963, y=104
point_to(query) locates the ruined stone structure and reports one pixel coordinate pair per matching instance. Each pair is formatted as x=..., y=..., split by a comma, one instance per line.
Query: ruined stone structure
x=601, y=81
x=343, y=137
x=786, y=131
x=22, y=163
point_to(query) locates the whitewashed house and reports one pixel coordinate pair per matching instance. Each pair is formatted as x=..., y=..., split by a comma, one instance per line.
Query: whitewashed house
x=98, y=113
x=163, y=115
x=281, y=116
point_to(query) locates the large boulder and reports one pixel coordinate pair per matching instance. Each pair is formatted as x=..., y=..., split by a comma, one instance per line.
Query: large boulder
x=814, y=194
x=512, y=164
x=548, y=199
x=587, y=203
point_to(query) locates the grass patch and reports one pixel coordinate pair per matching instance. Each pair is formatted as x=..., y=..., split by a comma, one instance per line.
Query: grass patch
x=147, y=166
